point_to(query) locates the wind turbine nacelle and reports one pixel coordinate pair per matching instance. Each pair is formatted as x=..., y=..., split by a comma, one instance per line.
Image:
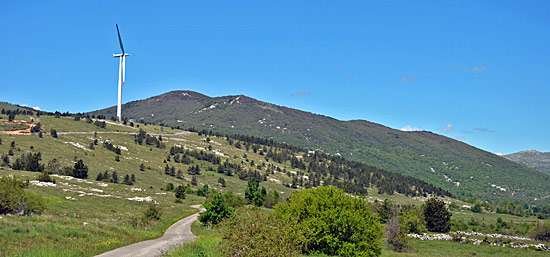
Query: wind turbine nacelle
x=120, y=55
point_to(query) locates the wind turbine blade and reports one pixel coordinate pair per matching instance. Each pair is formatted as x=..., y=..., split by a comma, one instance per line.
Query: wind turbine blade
x=123, y=69
x=119, y=39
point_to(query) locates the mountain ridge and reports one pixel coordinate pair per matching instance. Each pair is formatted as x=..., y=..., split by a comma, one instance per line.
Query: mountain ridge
x=532, y=158
x=453, y=165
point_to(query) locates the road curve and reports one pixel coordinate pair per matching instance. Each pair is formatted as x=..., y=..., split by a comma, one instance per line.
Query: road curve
x=177, y=234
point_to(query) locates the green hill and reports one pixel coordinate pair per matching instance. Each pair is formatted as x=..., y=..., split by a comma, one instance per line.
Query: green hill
x=455, y=166
x=84, y=217
x=532, y=159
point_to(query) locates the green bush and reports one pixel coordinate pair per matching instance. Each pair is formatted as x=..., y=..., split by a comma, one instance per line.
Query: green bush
x=411, y=221
x=260, y=234
x=233, y=200
x=45, y=177
x=334, y=222
x=152, y=213
x=476, y=208
x=216, y=210
x=180, y=192
x=541, y=232
x=15, y=200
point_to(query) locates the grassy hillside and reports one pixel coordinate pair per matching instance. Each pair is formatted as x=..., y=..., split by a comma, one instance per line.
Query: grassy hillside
x=460, y=168
x=86, y=217
x=533, y=159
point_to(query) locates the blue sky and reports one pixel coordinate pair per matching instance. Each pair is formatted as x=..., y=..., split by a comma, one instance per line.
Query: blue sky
x=476, y=71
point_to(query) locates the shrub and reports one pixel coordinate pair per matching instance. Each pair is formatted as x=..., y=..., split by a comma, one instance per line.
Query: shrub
x=335, y=223
x=15, y=200
x=253, y=194
x=45, y=177
x=180, y=192
x=153, y=212
x=437, y=216
x=216, y=210
x=396, y=237
x=541, y=232
x=411, y=221
x=260, y=234
x=233, y=200
x=476, y=208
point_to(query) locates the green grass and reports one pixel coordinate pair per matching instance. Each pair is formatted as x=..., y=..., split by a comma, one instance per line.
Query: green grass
x=206, y=245
x=91, y=224
x=449, y=249
x=85, y=226
x=6, y=126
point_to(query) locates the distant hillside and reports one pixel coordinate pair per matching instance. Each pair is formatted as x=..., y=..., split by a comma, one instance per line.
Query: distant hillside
x=455, y=166
x=532, y=159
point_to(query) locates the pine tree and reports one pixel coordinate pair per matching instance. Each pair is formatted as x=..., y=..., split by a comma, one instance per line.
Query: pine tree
x=99, y=177
x=142, y=167
x=437, y=216
x=53, y=133
x=221, y=181
x=133, y=179
x=127, y=180
x=80, y=169
x=114, y=178
x=194, y=181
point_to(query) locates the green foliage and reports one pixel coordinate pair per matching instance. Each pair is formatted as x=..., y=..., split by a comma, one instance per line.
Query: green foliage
x=169, y=187
x=80, y=170
x=396, y=236
x=180, y=192
x=271, y=199
x=53, y=133
x=203, y=191
x=409, y=153
x=15, y=200
x=259, y=234
x=253, y=194
x=476, y=208
x=411, y=221
x=436, y=215
x=45, y=177
x=153, y=212
x=216, y=210
x=541, y=232
x=233, y=200
x=336, y=223
x=29, y=162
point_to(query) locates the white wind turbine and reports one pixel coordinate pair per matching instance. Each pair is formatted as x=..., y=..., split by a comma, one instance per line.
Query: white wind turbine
x=121, y=74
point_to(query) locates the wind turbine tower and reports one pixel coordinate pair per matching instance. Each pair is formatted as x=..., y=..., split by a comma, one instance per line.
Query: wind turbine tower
x=121, y=74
